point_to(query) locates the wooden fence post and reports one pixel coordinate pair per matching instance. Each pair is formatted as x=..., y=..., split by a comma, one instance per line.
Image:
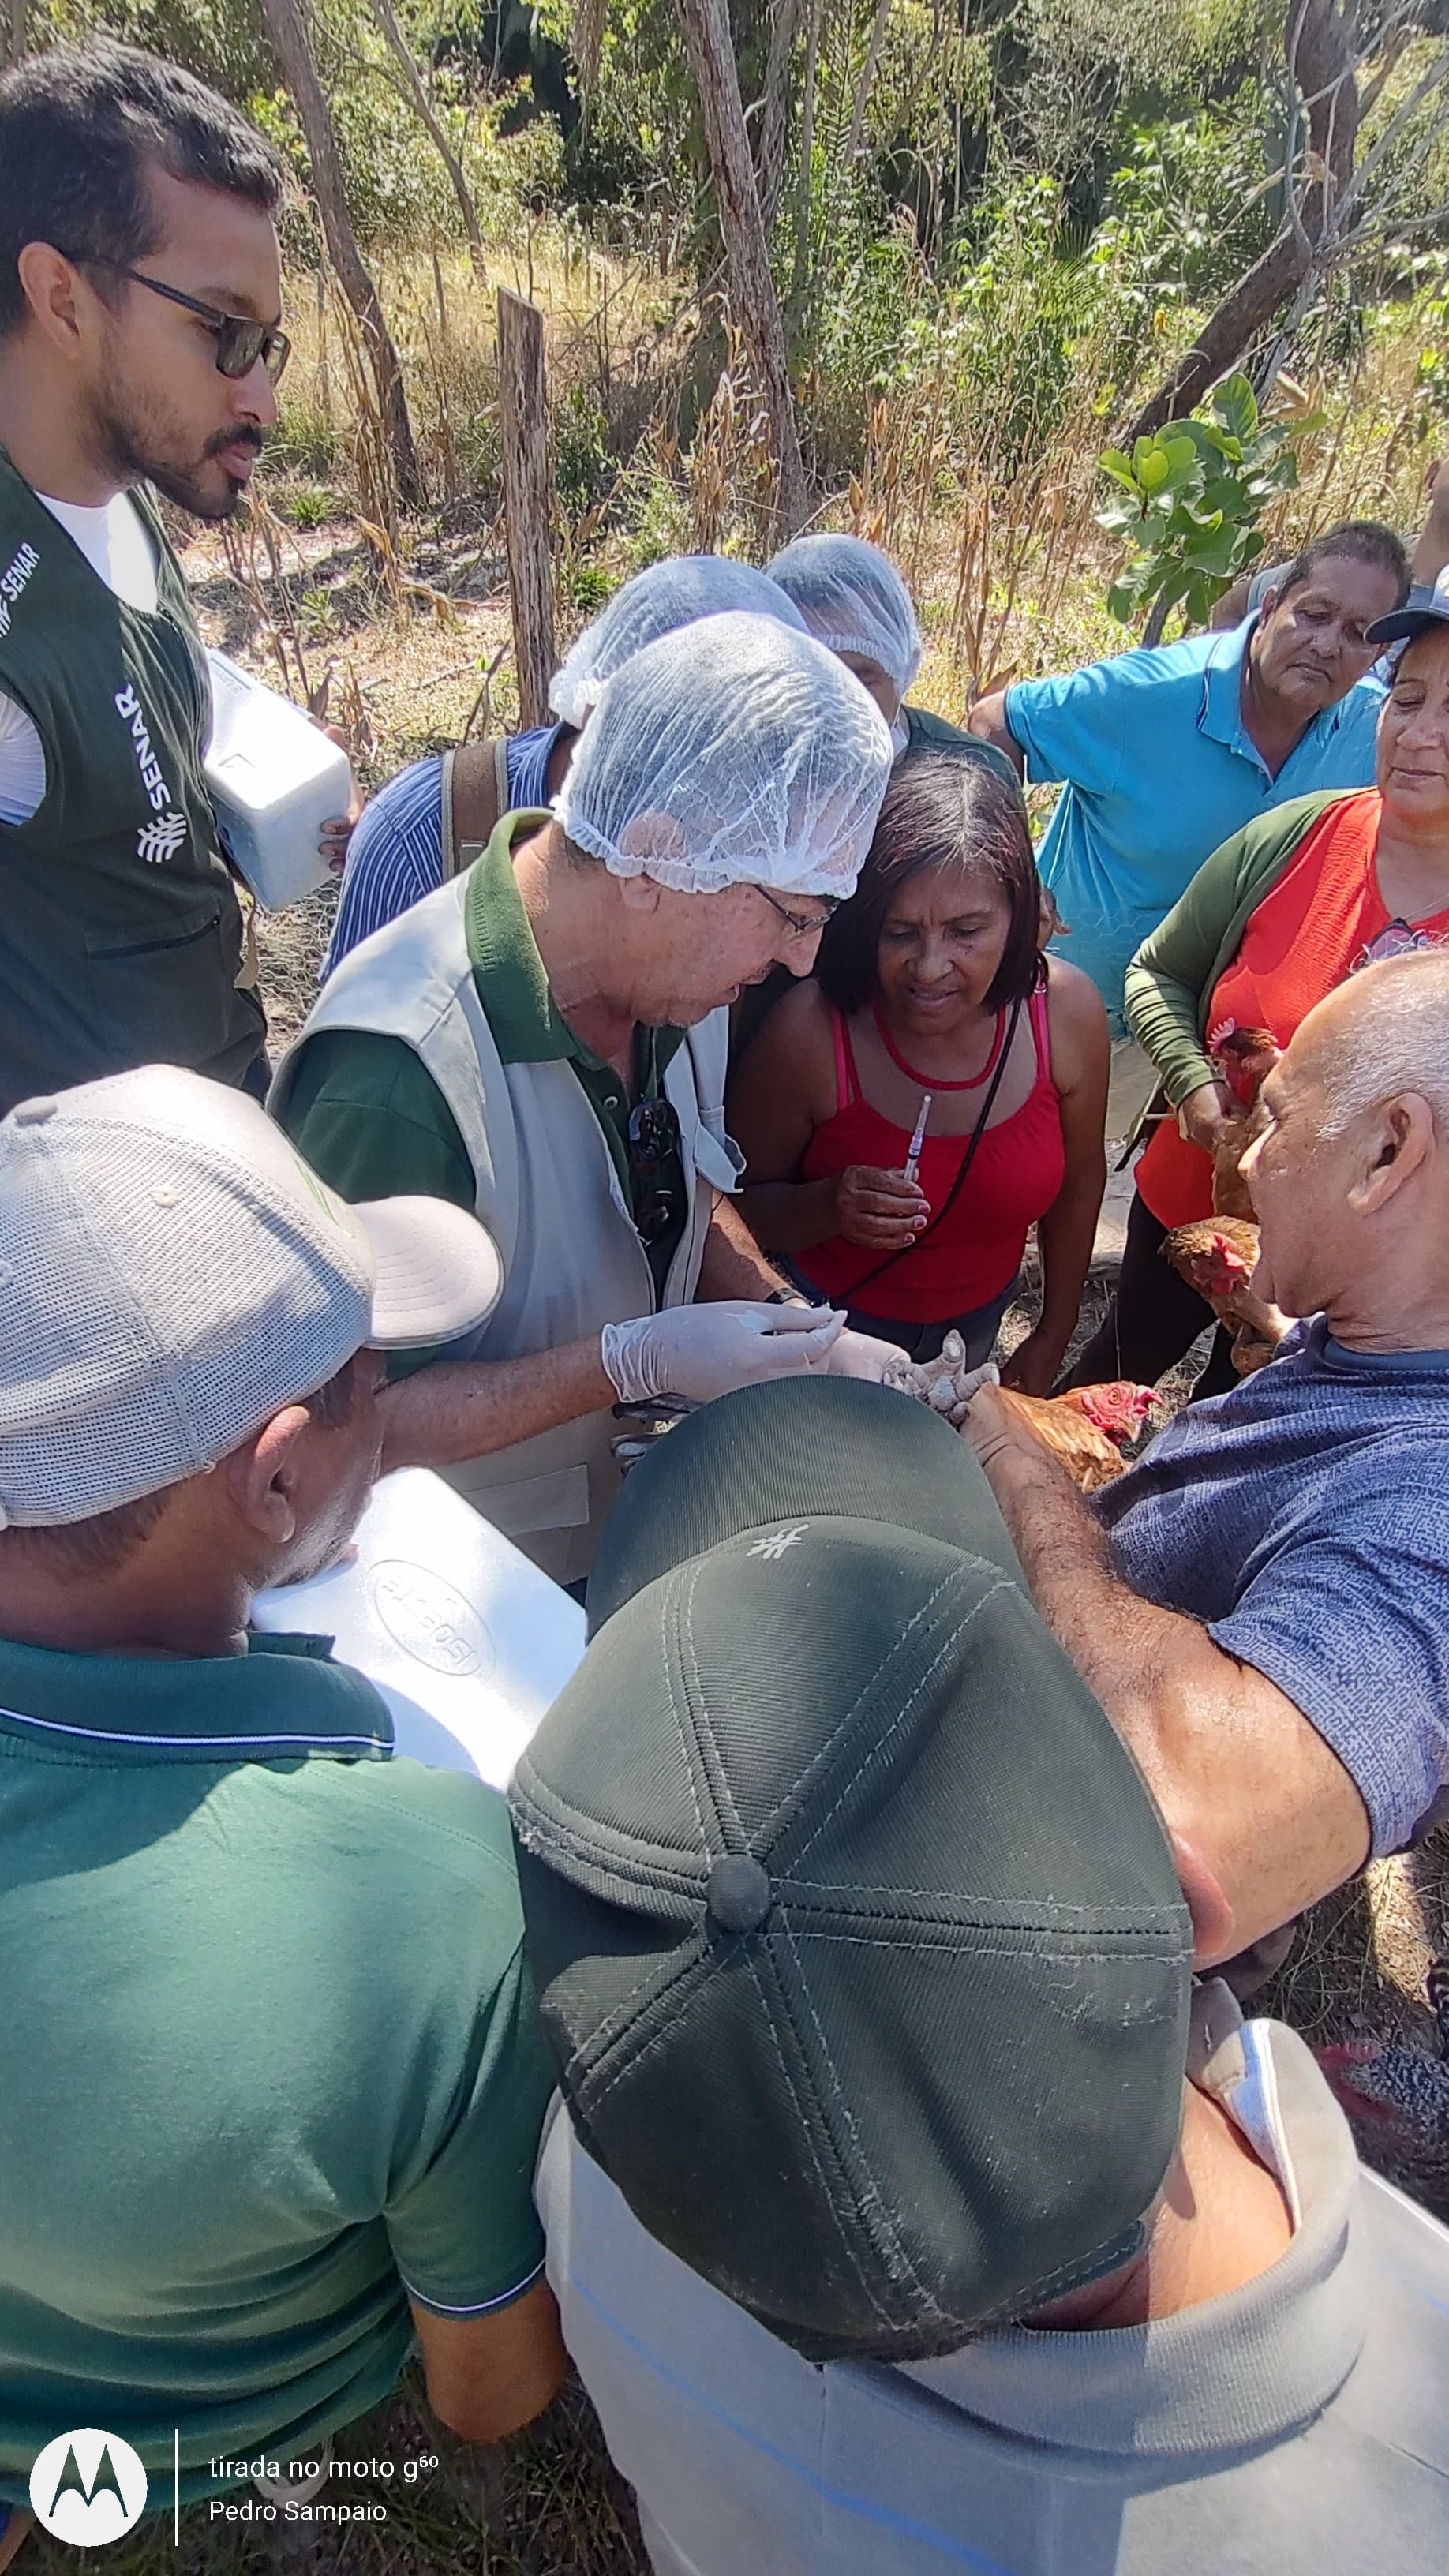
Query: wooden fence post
x=527, y=499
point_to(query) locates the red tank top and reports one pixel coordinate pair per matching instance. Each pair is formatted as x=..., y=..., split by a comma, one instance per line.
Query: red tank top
x=1016, y=1176
x=1318, y=923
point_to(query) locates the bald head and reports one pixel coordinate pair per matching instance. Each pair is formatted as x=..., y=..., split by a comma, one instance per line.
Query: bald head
x=1350, y=1176
x=1384, y=1032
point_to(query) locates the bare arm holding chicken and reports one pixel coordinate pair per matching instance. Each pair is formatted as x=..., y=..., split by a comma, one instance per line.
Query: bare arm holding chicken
x=1239, y=1773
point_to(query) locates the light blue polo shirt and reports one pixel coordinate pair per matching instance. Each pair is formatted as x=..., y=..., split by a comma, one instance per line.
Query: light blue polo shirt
x=1159, y=770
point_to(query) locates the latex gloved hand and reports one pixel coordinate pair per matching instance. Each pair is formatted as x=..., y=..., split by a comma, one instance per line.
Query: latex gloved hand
x=861, y=1355
x=704, y=1351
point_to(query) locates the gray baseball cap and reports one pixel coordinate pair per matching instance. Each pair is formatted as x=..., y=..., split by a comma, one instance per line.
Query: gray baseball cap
x=856, y=1933
x=172, y=1273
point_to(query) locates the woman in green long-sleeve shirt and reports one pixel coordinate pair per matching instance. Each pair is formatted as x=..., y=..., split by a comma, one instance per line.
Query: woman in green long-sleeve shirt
x=1278, y=916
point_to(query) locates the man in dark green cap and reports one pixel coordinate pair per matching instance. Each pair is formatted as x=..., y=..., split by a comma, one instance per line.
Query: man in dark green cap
x=901, y=2211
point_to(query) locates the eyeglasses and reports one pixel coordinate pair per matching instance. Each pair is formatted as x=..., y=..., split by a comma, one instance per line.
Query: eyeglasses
x=239, y=342
x=801, y=925
x=658, y=1190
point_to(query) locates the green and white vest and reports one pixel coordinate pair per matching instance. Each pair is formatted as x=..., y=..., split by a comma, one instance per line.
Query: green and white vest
x=548, y=1192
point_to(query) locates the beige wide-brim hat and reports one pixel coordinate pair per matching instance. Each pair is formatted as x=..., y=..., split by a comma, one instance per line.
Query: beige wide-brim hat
x=172, y=1273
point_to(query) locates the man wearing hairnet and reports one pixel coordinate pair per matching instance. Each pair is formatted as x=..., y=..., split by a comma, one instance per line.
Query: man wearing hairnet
x=854, y=601
x=415, y=831
x=543, y=1041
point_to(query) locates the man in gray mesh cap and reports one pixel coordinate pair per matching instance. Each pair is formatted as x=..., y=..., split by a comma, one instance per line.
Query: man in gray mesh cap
x=544, y=1041
x=273, y=2081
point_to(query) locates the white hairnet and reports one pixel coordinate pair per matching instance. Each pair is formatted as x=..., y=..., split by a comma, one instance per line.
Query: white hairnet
x=735, y=752
x=657, y=602
x=853, y=600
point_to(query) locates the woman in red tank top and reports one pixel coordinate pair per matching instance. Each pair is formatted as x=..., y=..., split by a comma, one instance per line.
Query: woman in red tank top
x=930, y=984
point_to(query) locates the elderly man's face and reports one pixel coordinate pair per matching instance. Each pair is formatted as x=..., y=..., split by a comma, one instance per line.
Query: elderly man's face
x=698, y=951
x=1299, y=1178
x=1311, y=644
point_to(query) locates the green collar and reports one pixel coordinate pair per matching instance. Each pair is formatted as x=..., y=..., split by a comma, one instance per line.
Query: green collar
x=507, y=968
x=282, y=1700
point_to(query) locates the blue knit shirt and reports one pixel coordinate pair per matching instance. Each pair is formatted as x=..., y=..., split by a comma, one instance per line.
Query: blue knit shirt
x=1304, y=1518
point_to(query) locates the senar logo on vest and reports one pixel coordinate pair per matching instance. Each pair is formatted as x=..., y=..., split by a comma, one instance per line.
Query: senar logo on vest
x=163, y=838
x=88, y=2487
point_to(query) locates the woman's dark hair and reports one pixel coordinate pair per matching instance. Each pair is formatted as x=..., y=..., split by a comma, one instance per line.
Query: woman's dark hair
x=78, y=126
x=1365, y=541
x=942, y=809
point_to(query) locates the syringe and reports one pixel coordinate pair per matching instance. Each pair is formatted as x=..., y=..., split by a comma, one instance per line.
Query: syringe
x=919, y=1137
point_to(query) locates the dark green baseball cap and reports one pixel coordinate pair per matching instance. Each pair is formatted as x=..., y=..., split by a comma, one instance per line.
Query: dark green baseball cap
x=856, y=1933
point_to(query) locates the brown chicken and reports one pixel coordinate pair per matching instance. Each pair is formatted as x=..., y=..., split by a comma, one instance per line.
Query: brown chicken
x=1218, y=1256
x=1083, y=1428
x=1242, y=1059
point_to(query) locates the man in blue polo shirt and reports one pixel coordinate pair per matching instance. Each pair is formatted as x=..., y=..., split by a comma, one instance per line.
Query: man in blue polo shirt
x=273, y=2078
x=1164, y=753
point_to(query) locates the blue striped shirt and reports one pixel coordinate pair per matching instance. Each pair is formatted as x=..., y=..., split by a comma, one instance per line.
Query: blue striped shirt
x=395, y=855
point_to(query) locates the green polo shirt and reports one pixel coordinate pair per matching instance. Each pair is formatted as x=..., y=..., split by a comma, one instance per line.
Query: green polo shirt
x=366, y=1113
x=271, y=2058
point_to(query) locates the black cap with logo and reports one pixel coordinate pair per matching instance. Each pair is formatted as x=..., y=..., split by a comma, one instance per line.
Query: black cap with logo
x=855, y=1930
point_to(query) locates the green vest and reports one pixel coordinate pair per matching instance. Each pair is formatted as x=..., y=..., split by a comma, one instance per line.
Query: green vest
x=122, y=936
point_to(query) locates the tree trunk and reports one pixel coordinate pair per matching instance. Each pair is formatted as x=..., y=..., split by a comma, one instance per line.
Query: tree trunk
x=775, y=118
x=752, y=288
x=287, y=30
x=422, y=106
x=1321, y=61
x=867, y=81
x=527, y=499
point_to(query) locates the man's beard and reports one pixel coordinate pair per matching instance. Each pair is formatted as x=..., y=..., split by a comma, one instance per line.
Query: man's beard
x=129, y=450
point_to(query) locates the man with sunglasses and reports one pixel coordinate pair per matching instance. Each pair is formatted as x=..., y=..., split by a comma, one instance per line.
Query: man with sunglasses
x=140, y=290
x=543, y=1041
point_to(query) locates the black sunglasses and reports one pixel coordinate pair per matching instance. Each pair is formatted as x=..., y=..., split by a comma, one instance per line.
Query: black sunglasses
x=653, y=1146
x=239, y=343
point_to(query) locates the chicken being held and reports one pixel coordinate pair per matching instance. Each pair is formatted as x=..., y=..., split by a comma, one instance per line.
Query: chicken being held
x=1218, y=1256
x=1242, y=1059
x=1082, y=1428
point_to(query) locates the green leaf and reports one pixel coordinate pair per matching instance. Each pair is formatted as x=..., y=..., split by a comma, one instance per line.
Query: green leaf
x=1113, y=462
x=1236, y=406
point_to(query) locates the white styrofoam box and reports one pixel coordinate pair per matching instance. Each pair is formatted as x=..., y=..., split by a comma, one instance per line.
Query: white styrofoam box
x=466, y=1640
x=275, y=779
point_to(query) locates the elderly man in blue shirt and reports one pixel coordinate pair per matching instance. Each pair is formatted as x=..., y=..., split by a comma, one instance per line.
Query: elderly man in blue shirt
x=1165, y=752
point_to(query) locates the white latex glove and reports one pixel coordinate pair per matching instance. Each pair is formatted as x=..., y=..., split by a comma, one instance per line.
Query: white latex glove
x=861, y=1355
x=704, y=1351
